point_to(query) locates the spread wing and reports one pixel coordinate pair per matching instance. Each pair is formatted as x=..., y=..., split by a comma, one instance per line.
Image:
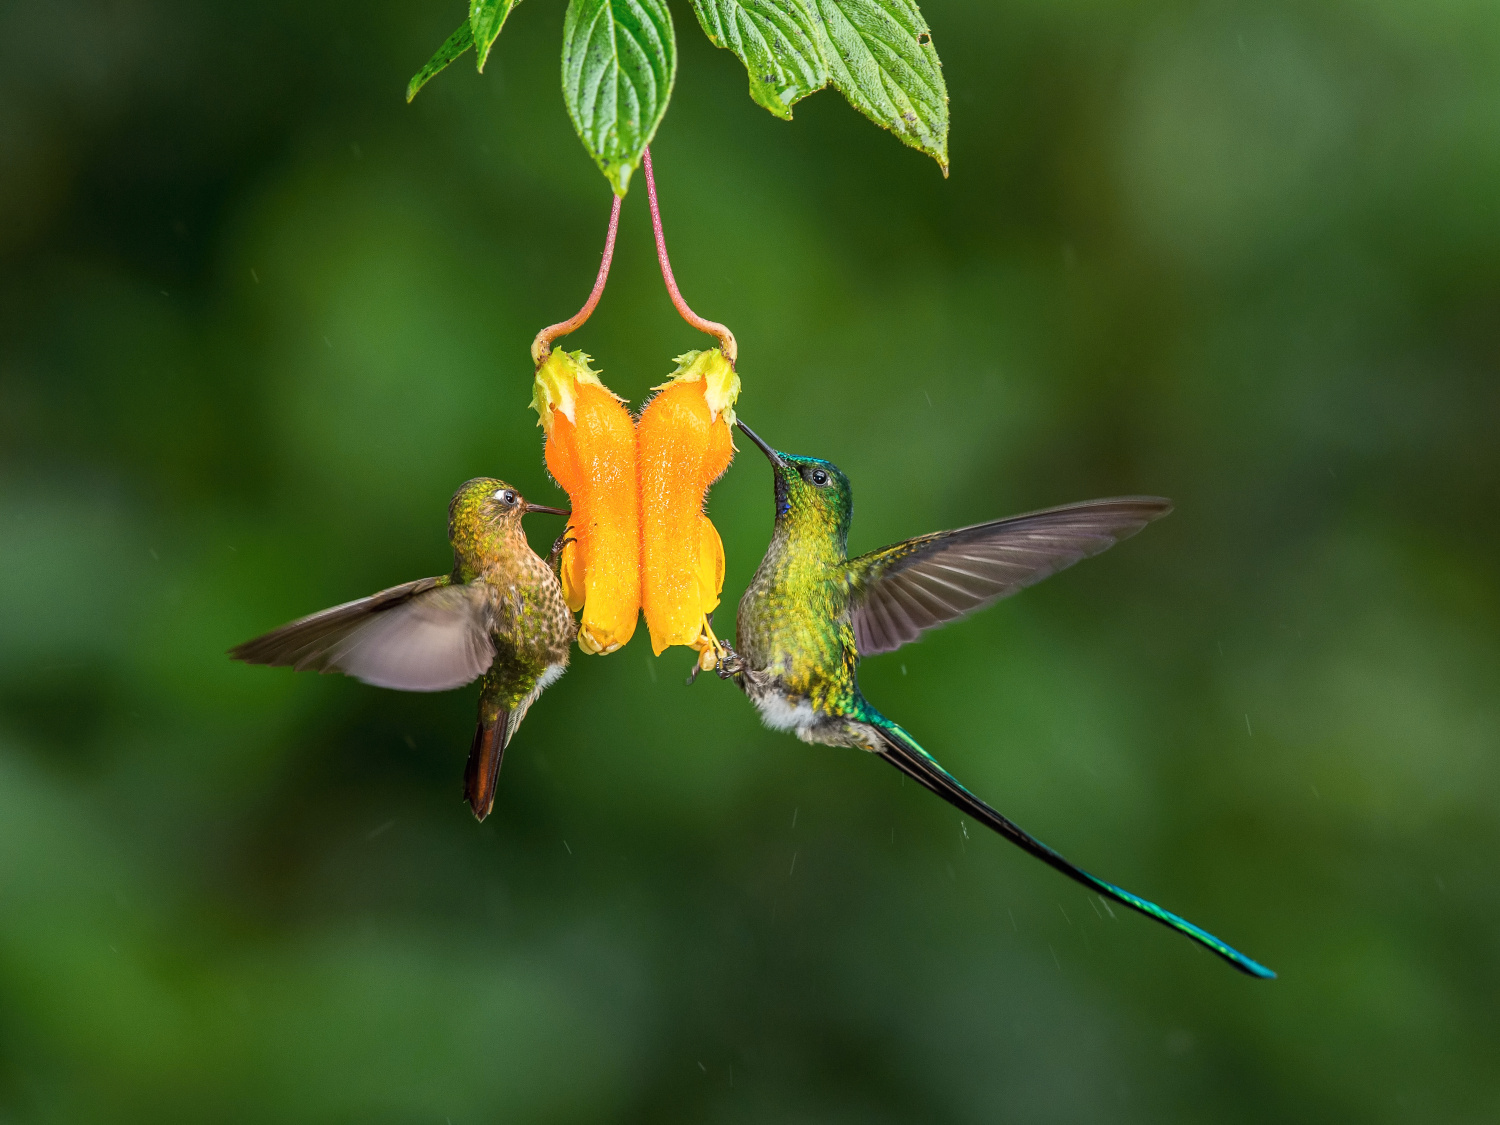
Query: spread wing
x=422, y=636
x=899, y=592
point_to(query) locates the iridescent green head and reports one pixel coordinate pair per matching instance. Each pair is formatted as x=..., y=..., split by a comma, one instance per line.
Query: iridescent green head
x=482, y=512
x=812, y=495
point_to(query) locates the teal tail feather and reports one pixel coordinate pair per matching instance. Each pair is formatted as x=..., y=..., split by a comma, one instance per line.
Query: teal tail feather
x=904, y=752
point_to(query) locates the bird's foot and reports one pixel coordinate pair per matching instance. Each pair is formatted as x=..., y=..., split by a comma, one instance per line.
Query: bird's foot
x=714, y=655
x=729, y=664
x=554, y=558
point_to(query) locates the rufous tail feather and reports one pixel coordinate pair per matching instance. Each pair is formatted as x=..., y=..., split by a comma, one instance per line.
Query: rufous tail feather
x=482, y=772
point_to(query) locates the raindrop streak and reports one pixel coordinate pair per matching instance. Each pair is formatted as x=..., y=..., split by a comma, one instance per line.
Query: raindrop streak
x=570, y=850
x=651, y=667
x=1064, y=914
x=793, y=866
x=1248, y=731
x=255, y=277
x=703, y=1068
x=1104, y=902
x=1012, y=914
x=795, y=811
x=380, y=830
x=1055, y=961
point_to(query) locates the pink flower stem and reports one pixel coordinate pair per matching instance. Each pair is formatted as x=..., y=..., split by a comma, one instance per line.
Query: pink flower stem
x=541, y=347
x=712, y=327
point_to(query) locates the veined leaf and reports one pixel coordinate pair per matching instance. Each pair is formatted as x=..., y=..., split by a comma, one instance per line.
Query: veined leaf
x=486, y=18
x=880, y=56
x=619, y=59
x=455, y=45
x=777, y=40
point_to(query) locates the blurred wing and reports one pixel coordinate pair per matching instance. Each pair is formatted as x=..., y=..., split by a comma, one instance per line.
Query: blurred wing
x=422, y=636
x=900, y=592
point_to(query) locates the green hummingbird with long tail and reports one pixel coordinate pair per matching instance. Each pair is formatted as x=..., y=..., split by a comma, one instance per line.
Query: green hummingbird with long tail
x=499, y=614
x=811, y=612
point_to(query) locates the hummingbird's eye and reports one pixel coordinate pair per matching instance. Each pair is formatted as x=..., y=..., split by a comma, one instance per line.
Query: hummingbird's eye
x=818, y=477
x=506, y=496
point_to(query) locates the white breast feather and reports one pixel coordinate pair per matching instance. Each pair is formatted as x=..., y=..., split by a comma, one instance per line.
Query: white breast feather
x=778, y=714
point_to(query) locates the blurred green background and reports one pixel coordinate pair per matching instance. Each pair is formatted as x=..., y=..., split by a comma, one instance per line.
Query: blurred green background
x=259, y=318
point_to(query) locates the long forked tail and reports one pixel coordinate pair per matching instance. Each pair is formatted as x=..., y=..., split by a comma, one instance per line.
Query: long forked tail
x=903, y=752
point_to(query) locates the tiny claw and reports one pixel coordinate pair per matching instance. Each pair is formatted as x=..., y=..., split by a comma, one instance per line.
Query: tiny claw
x=730, y=664
x=554, y=558
x=714, y=655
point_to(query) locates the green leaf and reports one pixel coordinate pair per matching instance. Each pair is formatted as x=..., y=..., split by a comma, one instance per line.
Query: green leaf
x=880, y=56
x=455, y=45
x=619, y=59
x=486, y=18
x=777, y=40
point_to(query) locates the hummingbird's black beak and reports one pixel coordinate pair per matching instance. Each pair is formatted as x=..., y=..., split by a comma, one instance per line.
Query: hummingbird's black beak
x=771, y=454
x=549, y=511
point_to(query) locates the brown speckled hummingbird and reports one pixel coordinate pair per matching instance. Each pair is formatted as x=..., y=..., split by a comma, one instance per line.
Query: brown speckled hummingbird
x=811, y=612
x=499, y=614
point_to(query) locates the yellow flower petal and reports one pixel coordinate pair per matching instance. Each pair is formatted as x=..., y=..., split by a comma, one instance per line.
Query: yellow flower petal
x=591, y=454
x=684, y=446
x=710, y=564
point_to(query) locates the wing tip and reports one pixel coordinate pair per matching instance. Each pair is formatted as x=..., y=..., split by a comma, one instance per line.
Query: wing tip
x=252, y=652
x=1159, y=505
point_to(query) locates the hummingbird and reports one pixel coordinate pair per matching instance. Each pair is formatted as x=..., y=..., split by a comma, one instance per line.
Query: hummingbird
x=811, y=612
x=499, y=614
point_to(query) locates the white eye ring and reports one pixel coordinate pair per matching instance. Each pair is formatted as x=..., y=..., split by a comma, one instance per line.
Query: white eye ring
x=505, y=496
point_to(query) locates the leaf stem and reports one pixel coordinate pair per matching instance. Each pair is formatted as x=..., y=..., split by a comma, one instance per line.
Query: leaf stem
x=712, y=327
x=541, y=347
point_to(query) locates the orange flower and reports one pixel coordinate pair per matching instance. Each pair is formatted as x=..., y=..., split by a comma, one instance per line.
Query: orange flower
x=591, y=453
x=683, y=445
